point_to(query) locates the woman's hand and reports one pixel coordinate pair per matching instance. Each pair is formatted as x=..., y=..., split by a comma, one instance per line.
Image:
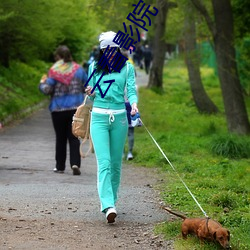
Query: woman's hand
x=88, y=91
x=134, y=109
x=43, y=79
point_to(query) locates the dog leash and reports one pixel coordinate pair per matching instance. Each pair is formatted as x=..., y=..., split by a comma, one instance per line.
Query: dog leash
x=174, y=170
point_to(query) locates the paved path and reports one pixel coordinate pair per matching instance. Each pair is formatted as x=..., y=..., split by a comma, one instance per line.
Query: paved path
x=141, y=78
x=30, y=190
x=26, y=163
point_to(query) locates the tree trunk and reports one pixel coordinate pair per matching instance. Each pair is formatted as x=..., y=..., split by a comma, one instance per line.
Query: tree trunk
x=201, y=99
x=159, y=46
x=235, y=109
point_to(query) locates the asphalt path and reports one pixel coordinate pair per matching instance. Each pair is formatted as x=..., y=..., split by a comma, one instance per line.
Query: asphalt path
x=26, y=164
x=31, y=190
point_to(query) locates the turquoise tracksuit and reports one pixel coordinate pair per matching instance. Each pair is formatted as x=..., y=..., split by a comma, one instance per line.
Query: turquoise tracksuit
x=108, y=129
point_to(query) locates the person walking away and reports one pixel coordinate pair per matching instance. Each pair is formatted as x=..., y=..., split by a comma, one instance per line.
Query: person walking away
x=65, y=85
x=147, y=58
x=128, y=109
x=109, y=123
x=93, y=55
x=138, y=56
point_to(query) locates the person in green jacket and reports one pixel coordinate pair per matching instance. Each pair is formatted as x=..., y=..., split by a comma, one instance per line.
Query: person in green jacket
x=109, y=123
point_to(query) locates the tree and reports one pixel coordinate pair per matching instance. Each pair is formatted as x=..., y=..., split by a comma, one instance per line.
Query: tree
x=161, y=35
x=23, y=33
x=112, y=13
x=201, y=99
x=28, y=33
x=159, y=44
x=223, y=38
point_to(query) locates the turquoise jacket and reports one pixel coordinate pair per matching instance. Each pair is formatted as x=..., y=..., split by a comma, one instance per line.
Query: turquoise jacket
x=114, y=98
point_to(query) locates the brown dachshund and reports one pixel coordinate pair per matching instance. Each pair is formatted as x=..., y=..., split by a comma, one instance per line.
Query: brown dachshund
x=204, y=229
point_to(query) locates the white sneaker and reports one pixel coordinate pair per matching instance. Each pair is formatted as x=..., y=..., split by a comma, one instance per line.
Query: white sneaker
x=58, y=171
x=111, y=214
x=130, y=156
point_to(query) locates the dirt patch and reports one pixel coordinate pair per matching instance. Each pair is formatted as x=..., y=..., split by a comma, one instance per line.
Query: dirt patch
x=51, y=234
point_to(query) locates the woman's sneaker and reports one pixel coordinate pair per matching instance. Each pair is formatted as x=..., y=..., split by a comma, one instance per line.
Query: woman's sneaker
x=58, y=171
x=130, y=156
x=111, y=214
x=76, y=170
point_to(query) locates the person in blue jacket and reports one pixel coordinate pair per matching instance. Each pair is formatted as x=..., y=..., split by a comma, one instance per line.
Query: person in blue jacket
x=109, y=123
x=65, y=84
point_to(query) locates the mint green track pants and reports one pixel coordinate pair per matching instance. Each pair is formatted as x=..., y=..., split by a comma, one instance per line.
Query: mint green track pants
x=108, y=136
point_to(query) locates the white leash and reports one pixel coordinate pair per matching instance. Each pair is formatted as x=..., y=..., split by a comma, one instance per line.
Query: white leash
x=174, y=169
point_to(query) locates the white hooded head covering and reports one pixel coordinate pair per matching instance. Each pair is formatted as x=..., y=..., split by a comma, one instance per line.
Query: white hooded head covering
x=106, y=38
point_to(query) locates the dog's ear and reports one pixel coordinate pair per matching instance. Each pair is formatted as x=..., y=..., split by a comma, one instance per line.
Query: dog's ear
x=228, y=237
x=214, y=235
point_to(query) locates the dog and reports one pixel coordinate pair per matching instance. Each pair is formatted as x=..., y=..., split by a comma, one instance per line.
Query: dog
x=204, y=229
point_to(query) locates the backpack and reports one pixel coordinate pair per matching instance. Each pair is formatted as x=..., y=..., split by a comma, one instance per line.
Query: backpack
x=81, y=126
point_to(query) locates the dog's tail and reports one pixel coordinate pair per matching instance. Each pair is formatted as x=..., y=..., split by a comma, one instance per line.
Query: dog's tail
x=175, y=213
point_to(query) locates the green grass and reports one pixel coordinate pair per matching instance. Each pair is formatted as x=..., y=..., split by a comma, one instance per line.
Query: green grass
x=214, y=164
x=19, y=87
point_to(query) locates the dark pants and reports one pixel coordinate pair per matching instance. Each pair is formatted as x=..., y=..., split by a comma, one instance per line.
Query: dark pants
x=147, y=65
x=130, y=139
x=62, y=122
x=130, y=129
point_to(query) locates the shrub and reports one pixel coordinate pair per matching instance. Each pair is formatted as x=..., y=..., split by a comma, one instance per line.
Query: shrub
x=231, y=146
x=224, y=200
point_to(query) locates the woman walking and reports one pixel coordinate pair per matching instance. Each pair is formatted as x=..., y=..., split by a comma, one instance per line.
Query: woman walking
x=109, y=123
x=65, y=85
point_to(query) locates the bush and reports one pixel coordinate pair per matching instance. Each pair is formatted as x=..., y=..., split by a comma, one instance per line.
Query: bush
x=223, y=200
x=19, y=88
x=231, y=146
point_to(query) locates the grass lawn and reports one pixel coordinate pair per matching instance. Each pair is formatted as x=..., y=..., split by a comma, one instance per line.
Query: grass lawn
x=214, y=164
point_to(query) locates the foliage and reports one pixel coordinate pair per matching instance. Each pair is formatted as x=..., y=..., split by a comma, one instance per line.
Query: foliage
x=220, y=184
x=241, y=17
x=41, y=30
x=243, y=60
x=19, y=87
x=175, y=23
x=114, y=22
x=242, y=37
x=231, y=146
x=174, y=26
x=105, y=8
